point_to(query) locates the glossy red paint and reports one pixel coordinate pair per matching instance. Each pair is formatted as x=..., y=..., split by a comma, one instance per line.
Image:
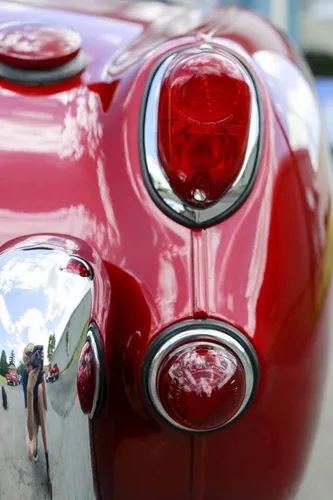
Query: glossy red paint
x=70, y=166
x=269, y=292
x=36, y=46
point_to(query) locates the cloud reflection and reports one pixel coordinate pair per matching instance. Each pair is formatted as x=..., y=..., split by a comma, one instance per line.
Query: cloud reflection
x=36, y=298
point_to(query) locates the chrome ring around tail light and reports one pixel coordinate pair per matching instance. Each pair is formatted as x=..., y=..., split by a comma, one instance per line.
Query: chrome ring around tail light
x=94, y=338
x=91, y=339
x=88, y=270
x=155, y=178
x=203, y=332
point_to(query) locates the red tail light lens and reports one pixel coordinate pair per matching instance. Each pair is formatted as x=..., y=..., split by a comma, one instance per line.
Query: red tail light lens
x=201, y=386
x=203, y=124
x=76, y=266
x=199, y=380
x=87, y=378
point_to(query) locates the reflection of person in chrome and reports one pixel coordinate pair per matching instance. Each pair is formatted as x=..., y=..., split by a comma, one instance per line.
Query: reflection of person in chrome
x=35, y=399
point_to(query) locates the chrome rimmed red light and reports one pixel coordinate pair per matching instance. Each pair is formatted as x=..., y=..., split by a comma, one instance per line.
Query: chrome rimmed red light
x=200, y=380
x=201, y=134
x=78, y=266
x=203, y=124
x=89, y=377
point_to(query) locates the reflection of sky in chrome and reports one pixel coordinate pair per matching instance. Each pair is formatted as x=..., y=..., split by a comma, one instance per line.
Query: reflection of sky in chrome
x=36, y=298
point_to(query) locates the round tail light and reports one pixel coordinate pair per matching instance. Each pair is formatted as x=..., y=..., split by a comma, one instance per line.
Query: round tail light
x=200, y=380
x=88, y=378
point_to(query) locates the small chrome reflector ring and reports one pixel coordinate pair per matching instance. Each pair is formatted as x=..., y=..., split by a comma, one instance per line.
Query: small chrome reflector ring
x=90, y=384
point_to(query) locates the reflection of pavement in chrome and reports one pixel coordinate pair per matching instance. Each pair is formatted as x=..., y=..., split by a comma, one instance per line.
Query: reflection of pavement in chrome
x=69, y=454
x=62, y=394
x=19, y=478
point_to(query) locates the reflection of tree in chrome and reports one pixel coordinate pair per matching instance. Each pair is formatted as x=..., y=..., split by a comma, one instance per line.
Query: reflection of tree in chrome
x=51, y=346
x=3, y=363
x=12, y=357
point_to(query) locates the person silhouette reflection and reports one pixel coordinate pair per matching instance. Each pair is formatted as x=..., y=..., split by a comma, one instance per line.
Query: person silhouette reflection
x=35, y=400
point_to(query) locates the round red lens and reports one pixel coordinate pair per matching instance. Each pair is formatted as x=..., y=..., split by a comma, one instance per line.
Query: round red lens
x=86, y=378
x=75, y=266
x=203, y=124
x=201, y=386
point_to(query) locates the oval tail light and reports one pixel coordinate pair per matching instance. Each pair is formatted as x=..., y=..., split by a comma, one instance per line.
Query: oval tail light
x=201, y=135
x=90, y=387
x=200, y=379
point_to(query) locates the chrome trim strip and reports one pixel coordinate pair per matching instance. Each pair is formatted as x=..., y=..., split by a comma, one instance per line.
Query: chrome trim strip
x=201, y=336
x=91, y=339
x=156, y=172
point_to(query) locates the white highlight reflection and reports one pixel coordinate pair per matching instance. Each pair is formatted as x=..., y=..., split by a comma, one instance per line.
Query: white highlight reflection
x=49, y=299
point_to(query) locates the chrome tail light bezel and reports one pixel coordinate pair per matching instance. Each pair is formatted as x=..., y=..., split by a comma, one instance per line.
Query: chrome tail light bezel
x=94, y=338
x=154, y=176
x=205, y=331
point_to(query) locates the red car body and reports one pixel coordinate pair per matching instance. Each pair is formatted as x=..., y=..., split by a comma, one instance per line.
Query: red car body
x=71, y=171
x=11, y=379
